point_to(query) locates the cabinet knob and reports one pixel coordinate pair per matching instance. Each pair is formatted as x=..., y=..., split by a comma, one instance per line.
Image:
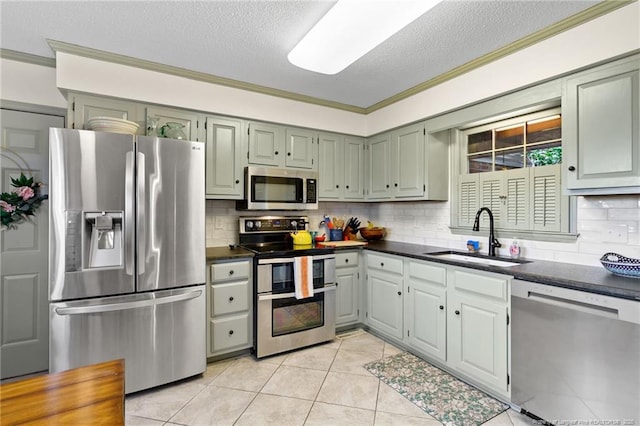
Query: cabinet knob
x=382, y=264
x=289, y=154
x=395, y=184
x=237, y=180
x=572, y=168
x=441, y=307
x=457, y=312
x=231, y=272
x=387, y=185
x=231, y=299
x=346, y=261
x=337, y=186
x=230, y=332
x=337, y=284
x=347, y=186
x=399, y=293
x=276, y=153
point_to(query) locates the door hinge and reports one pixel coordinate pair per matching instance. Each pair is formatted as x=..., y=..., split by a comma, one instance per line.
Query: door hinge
x=507, y=319
x=424, y=132
x=366, y=314
x=358, y=312
x=407, y=333
x=248, y=130
x=73, y=125
x=247, y=155
x=358, y=275
x=424, y=187
x=508, y=379
x=312, y=161
x=73, y=106
x=408, y=289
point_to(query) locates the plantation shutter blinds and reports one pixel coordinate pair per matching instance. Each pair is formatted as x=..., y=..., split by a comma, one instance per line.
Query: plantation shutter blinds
x=467, y=199
x=546, y=198
x=492, y=196
x=517, y=200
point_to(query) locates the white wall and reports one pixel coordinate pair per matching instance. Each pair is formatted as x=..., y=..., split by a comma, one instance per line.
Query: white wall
x=29, y=83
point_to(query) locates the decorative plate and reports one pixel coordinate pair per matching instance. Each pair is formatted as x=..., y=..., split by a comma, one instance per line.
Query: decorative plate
x=115, y=125
x=620, y=265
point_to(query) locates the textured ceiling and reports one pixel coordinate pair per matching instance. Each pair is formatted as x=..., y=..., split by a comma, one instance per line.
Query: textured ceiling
x=249, y=40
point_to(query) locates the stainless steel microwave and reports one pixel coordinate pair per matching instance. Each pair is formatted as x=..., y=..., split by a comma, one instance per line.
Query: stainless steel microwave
x=268, y=188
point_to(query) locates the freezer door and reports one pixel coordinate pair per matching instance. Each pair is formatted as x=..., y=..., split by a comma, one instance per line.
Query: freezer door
x=161, y=335
x=171, y=213
x=91, y=196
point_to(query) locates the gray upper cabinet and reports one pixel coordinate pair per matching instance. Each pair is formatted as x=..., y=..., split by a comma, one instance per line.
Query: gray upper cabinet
x=601, y=110
x=84, y=107
x=224, y=158
x=163, y=121
x=301, y=148
x=266, y=144
x=340, y=167
x=407, y=161
x=378, y=170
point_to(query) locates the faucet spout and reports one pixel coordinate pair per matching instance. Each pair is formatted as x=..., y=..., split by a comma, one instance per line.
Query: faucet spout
x=493, y=242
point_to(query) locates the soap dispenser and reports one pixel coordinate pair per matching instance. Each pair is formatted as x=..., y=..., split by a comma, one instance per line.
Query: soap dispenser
x=514, y=249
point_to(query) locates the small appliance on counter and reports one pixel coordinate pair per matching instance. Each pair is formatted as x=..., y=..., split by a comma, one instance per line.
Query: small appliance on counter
x=283, y=322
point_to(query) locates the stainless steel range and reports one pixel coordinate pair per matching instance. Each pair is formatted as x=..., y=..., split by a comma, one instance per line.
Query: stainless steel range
x=281, y=321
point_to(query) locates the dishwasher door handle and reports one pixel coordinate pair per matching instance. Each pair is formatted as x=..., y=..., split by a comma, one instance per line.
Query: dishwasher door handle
x=575, y=305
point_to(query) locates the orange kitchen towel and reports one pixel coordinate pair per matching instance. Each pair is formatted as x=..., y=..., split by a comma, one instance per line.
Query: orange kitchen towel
x=303, y=276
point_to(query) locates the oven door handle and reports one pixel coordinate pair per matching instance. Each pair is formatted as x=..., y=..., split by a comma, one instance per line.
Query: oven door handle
x=291, y=259
x=270, y=296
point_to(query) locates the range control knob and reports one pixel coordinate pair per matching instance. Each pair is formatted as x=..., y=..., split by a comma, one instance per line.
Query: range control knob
x=248, y=224
x=258, y=224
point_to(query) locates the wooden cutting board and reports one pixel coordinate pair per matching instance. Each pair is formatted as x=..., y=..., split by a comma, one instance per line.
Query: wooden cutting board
x=342, y=243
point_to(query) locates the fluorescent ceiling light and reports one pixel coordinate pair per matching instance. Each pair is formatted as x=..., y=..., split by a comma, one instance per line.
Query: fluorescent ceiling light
x=351, y=29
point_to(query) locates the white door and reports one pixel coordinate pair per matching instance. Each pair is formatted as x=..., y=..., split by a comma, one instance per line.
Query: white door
x=24, y=344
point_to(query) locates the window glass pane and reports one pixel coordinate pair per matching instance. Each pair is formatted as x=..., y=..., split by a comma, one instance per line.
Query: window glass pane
x=480, y=163
x=509, y=159
x=509, y=137
x=544, y=154
x=479, y=142
x=545, y=129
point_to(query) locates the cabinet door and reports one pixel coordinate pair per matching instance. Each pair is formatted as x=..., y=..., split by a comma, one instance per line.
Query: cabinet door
x=468, y=198
x=477, y=344
x=492, y=195
x=379, y=167
x=407, y=161
x=266, y=144
x=330, y=166
x=353, y=168
x=601, y=122
x=85, y=107
x=157, y=117
x=427, y=317
x=546, y=198
x=347, y=280
x=516, y=200
x=224, y=165
x=385, y=302
x=300, y=147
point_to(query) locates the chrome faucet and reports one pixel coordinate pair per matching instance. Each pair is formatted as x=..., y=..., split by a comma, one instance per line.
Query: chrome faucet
x=493, y=242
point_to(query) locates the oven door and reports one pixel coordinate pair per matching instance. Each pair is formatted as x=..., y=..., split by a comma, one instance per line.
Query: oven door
x=285, y=323
x=276, y=275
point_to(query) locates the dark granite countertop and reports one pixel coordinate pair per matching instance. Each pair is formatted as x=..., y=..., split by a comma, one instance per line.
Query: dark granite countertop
x=578, y=277
x=226, y=252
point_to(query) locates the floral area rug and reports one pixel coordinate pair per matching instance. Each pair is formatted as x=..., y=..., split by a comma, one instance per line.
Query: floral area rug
x=447, y=399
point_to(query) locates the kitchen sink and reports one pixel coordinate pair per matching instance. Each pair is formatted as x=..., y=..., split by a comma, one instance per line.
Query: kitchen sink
x=475, y=258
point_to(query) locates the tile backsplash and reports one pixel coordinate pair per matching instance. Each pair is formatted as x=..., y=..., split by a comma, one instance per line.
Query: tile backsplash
x=605, y=224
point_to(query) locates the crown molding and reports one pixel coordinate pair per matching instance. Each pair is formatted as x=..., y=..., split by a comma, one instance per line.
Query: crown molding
x=27, y=57
x=586, y=15
x=100, y=55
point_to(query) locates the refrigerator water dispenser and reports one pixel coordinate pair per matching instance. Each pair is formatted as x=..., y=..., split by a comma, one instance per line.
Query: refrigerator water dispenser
x=106, y=239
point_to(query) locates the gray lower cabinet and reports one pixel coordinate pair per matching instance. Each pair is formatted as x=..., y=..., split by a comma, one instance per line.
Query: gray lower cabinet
x=384, y=294
x=348, y=282
x=229, y=307
x=601, y=127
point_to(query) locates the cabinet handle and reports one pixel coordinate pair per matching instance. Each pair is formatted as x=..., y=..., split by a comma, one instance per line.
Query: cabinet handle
x=441, y=307
x=231, y=299
x=457, y=312
x=399, y=293
x=572, y=169
x=231, y=272
x=230, y=332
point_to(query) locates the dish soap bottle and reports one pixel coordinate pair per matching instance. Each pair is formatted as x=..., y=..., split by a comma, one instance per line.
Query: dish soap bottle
x=514, y=249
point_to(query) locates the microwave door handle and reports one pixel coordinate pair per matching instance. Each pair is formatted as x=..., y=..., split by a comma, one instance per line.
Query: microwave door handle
x=129, y=202
x=142, y=219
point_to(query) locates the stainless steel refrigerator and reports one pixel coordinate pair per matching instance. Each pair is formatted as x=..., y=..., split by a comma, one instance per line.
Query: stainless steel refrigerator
x=127, y=255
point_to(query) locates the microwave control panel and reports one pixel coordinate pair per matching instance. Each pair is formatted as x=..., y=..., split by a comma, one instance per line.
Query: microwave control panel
x=312, y=192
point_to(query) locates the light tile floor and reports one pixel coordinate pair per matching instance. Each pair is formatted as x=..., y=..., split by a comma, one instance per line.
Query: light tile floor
x=324, y=385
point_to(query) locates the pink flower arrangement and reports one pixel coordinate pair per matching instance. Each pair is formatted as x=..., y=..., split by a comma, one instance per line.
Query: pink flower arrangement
x=21, y=203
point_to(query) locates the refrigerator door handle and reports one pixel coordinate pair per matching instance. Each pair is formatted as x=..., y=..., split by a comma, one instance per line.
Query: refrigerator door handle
x=142, y=219
x=129, y=214
x=111, y=307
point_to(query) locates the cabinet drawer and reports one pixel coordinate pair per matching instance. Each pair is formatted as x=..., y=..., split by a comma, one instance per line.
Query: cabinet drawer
x=473, y=282
x=384, y=263
x=229, y=332
x=427, y=272
x=347, y=259
x=231, y=270
x=230, y=297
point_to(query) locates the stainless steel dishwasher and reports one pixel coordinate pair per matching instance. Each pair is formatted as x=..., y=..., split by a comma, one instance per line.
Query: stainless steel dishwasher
x=575, y=355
